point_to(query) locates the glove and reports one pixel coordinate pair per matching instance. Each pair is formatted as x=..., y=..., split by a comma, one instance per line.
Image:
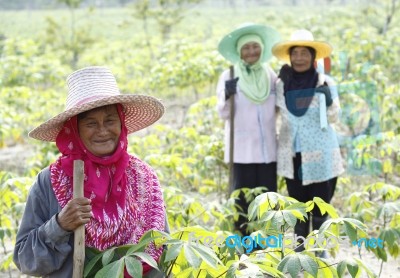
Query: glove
x=230, y=87
x=286, y=73
x=324, y=89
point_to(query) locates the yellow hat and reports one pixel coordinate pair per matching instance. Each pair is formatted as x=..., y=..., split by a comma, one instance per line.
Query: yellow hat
x=301, y=38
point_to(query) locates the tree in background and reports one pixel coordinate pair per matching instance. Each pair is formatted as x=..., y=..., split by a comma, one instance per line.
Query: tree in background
x=73, y=40
x=167, y=13
x=385, y=10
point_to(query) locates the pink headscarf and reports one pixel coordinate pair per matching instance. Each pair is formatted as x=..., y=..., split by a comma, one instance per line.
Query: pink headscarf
x=105, y=178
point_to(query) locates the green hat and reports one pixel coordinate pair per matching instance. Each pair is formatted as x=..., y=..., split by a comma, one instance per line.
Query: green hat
x=228, y=45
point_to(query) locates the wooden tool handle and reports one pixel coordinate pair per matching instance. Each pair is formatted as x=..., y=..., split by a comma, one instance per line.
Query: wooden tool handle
x=79, y=233
x=231, y=134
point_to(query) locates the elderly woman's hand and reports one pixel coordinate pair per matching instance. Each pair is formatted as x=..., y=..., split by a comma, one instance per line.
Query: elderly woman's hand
x=230, y=87
x=77, y=212
x=324, y=89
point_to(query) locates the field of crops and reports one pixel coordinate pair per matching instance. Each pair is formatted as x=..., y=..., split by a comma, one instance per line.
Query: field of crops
x=38, y=49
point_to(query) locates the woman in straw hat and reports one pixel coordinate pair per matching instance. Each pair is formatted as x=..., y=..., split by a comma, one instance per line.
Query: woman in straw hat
x=308, y=152
x=122, y=195
x=248, y=48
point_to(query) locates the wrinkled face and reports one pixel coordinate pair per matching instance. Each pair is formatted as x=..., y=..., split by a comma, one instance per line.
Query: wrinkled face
x=300, y=58
x=99, y=130
x=250, y=52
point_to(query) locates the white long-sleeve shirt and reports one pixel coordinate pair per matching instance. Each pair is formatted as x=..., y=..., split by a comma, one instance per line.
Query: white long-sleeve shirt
x=254, y=124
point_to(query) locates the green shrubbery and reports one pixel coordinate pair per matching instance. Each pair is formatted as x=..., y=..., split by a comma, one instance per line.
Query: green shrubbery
x=187, y=152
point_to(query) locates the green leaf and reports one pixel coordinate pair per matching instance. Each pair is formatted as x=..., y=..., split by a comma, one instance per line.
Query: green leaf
x=341, y=268
x=310, y=206
x=268, y=216
x=191, y=256
x=369, y=271
x=108, y=256
x=352, y=267
x=253, y=208
x=289, y=217
x=321, y=204
x=277, y=220
x=91, y=252
x=173, y=251
x=388, y=209
x=382, y=254
x=358, y=224
x=271, y=270
x=394, y=250
x=325, y=269
x=115, y=269
x=350, y=231
x=298, y=209
x=187, y=273
x=134, y=267
x=207, y=255
x=147, y=259
x=388, y=236
x=325, y=207
x=89, y=266
x=232, y=270
x=141, y=245
x=291, y=264
x=308, y=264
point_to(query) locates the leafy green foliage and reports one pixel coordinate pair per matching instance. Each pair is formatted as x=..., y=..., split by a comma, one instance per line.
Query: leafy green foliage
x=186, y=149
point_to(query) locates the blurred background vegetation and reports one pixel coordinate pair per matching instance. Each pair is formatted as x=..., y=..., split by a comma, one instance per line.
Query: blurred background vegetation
x=167, y=49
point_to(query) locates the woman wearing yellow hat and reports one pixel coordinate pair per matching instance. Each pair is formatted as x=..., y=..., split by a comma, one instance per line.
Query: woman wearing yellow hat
x=308, y=151
x=254, y=156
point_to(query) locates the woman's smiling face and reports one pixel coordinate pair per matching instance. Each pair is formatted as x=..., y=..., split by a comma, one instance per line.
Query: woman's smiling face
x=250, y=52
x=99, y=130
x=300, y=58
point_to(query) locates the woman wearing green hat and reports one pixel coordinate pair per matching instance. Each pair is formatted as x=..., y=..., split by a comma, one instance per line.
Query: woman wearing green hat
x=308, y=152
x=248, y=48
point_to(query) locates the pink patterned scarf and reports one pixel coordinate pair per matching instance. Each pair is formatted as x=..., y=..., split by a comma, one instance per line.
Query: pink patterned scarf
x=126, y=195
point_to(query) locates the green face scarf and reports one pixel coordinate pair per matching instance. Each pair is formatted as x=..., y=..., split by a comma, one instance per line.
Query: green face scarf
x=254, y=80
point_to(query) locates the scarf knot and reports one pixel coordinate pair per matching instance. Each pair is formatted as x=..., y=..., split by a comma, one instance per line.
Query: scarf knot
x=254, y=81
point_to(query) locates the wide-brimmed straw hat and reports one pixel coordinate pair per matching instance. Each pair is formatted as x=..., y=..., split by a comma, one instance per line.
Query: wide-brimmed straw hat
x=301, y=38
x=93, y=87
x=228, y=45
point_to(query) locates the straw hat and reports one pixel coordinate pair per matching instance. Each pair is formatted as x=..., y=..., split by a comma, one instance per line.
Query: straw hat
x=301, y=38
x=227, y=46
x=93, y=87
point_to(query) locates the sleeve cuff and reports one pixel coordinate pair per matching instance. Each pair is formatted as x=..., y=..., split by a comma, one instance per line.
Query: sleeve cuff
x=55, y=232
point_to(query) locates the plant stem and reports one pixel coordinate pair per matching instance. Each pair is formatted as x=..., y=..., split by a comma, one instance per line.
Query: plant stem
x=172, y=265
x=380, y=269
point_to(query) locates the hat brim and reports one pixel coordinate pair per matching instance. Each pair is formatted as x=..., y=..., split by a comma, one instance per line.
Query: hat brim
x=140, y=112
x=281, y=49
x=227, y=46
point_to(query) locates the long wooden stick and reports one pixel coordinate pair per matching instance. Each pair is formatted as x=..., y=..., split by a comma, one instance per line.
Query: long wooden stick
x=79, y=233
x=231, y=135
